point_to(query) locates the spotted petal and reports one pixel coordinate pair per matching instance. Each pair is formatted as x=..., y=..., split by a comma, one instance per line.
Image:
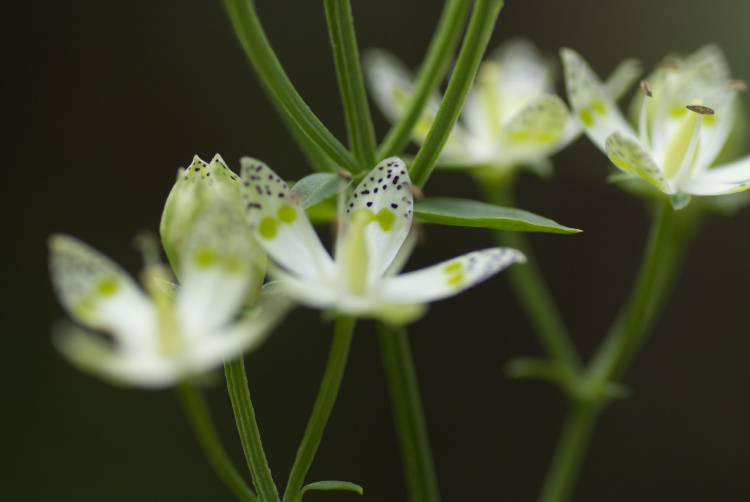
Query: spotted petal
x=535, y=130
x=99, y=293
x=592, y=104
x=217, y=266
x=279, y=223
x=384, y=203
x=449, y=277
x=628, y=155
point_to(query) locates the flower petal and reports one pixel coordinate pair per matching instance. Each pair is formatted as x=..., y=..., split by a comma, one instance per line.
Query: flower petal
x=99, y=293
x=241, y=337
x=591, y=103
x=91, y=353
x=534, y=131
x=218, y=262
x=449, y=277
x=629, y=155
x=619, y=81
x=384, y=203
x=734, y=172
x=279, y=222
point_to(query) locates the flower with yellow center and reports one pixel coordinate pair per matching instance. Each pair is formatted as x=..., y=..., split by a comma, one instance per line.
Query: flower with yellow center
x=685, y=119
x=372, y=245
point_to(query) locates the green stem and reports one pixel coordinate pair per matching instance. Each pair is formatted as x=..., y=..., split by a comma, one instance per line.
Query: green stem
x=408, y=414
x=478, y=34
x=277, y=84
x=530, y=288
x=351, y=83
x=627, y=335
x=247, y=427
x=434, y=66
x=200, y=420
x=570, y=452
x=329, y=388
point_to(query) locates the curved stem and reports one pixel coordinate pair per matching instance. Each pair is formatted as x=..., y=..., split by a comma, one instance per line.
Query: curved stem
x=478, y=34
x=434, y=66
x=277, y=84
x=351, y=83
x=329, y=388
x=203, y=427
x=247, y=426
x=408, y=414
x=530, y=288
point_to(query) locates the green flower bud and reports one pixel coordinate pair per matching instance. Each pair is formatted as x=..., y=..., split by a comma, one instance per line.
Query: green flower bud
x=199, y=187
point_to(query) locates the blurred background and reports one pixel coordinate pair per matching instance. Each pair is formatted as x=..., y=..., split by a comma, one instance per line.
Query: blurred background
x=103, y=101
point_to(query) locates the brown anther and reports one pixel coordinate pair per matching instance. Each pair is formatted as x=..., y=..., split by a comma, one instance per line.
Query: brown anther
x=344, y=174
x=646, y=88
x=416, y=192
x=703, y=110
x=668, y=64
x=736, y=84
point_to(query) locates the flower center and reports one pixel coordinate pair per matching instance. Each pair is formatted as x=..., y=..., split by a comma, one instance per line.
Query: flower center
x=682, y=146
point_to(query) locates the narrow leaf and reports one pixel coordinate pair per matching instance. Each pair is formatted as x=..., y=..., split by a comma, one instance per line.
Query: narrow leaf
x=330, y=485
x=469, y=213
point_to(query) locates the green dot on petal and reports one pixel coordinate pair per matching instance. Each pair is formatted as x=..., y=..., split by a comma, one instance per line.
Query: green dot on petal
x=453, y=267
x=267, y=228
x=386, y=219
x=287, y=214
x=107, y=287
x=205, y=257
x=586, y=117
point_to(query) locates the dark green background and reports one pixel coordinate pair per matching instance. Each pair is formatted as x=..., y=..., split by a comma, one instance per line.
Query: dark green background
x=103, y=101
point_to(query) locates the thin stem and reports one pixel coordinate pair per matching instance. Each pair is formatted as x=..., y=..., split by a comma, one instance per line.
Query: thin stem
x=530, y=288
x=277, y=84
x=408, y=414
x=203, y=427
x=247, y=427
x=478, y=34
x=329, y=389
x=434, y=66
x=351, y=83
x=570, y=451
x=625, y=338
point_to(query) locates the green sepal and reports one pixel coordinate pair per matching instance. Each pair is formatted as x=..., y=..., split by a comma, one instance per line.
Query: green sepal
x=469, y=213
x=329, y=485
x=679, y=200
x=317, y=187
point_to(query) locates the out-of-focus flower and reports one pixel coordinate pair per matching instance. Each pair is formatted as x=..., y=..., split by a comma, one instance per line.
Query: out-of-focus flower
x=511, y=116
x=163, y=337
x=371, y=247
x=685, y=118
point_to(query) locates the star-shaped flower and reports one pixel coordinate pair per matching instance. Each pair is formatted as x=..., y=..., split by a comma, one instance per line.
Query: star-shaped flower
x=374, y=224
x=685, y=118
x=160, y=338
x=511, y=116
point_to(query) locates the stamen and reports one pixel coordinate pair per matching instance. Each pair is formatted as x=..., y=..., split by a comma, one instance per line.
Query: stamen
x=700, y=109
x=345, y=174
x=684, y=172
x=643, y=119
x=416, y=192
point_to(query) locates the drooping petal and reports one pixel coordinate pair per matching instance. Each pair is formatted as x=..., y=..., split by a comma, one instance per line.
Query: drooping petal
x=629, y=155
x=622, y=78
x=99, y=294
x=591, y=103
x=279, y=222
x=217, y=267
x=243, y=336
x=117, y=364
x=383, y=203
x=449, y=277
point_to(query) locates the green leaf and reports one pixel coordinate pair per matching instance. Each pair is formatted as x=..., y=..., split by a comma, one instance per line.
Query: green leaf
x=469, y=213
x=330, y=485
x=317, y=187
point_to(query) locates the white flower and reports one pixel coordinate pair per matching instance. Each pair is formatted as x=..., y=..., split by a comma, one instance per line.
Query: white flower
x=681, y=129
x=511, y=116
x=361, y=281
x=159, y=339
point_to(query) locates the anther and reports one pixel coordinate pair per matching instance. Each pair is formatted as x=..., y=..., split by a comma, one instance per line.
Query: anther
x=736, y=84
x=646, y=88
x=344, y=174
x=703, y=110
x=415, y=191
